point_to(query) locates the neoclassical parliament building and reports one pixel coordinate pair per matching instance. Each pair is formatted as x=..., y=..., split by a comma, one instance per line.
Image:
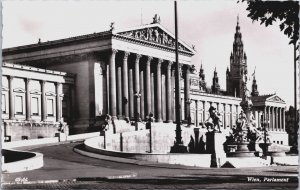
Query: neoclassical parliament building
x=127, y=74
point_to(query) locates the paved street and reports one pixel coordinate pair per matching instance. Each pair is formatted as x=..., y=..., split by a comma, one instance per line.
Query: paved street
x=77, y=172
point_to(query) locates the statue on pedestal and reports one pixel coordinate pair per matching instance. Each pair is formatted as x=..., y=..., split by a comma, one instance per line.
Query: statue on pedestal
x=213, y=122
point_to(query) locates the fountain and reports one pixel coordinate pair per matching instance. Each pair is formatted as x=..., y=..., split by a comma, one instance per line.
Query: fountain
x=241, y=142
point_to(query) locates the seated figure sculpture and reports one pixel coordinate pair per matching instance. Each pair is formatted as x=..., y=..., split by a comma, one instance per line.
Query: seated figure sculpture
x=103, y=122
x=213, y=122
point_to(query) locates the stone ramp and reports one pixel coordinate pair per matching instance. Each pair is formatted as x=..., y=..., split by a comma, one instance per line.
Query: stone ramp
x=245, y=162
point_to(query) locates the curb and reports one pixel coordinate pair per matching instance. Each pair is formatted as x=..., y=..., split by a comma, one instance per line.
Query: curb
x=132, y=161
x=80, y=179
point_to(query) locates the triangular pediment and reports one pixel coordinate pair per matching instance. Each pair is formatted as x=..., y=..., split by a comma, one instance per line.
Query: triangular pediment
x=275, y=98
x=19, y=90
x=35, y=91
x=157, y=34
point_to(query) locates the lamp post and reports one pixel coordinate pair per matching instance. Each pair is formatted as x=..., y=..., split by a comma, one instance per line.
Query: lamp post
x=178, y=144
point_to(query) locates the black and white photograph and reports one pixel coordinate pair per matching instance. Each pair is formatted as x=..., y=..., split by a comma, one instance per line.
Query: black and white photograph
x=133, y=94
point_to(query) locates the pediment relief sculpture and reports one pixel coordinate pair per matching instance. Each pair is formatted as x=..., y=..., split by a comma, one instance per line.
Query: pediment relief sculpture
x=154, y=34
x=275, y=99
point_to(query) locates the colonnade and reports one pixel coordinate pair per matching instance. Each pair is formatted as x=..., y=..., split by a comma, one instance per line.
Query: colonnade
x=139, y=85
x=276, y=118
x=28, y=114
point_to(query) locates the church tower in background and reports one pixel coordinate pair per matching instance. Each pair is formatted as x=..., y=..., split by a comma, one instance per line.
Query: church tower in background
x=238, y=65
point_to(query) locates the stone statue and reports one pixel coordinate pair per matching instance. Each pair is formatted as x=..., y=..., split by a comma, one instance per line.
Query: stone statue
x=213, y=122
x=193, y=69
x=103, y=122
x=112, y=26
x=156, y=19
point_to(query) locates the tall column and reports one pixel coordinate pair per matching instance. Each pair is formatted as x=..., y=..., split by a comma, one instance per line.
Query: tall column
x=43, y=101
x=173, y=95
x=11, y=98
x=125, y=85
x=231, y=122
x=269, y=117
x=187, y=93
x=142, y=95
x=112, y=84
x=131, y=98
x=283, y=120
x=258, y=118
x=107, y=89
x=225, y=122
x=137, y=87
x=204, y=112
x=58, y=100
x=197, y=113
x=152, y=95
x=276, y=119
x=158, y=91
x=148, y=86
x=279, y=119
x=119, y=92
x=27, y=104
x=169, y=93
x=273, y=119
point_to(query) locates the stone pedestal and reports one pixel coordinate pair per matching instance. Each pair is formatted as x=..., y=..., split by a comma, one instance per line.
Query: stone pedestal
x=62, y=137
x=242, y=150
x=107, y=139
x=179, y=148
x=215, y=146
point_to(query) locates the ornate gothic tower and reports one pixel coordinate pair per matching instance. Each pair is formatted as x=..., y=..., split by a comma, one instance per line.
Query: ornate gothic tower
x=238, y=65
x=254, y=87
x=202, y=83
x=216, y=86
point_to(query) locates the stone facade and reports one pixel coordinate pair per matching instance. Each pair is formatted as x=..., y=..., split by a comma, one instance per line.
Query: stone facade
x=35, y=102
x=127, y=74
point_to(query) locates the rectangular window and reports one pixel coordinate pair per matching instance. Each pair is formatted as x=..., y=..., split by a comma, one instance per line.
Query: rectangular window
x=50, y=107
x=3, y=103
x=19, y=104
x=34, y=106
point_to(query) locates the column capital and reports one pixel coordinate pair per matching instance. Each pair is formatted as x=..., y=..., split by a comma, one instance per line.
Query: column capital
x=27, y=80
x=114, y=51
x=149, y=58
x=42, y=81
x=169, y=64
x=126, y=54
x=160, y=61
x=9, y=77
x=138, y=56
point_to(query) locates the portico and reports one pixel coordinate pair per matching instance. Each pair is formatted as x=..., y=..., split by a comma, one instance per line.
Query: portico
x=124, y=73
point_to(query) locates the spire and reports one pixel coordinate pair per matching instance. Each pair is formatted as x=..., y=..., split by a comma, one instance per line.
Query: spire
x=237, y=24
x=215, y=87
x=202, y=83
x=227, y=71
x=254, y=85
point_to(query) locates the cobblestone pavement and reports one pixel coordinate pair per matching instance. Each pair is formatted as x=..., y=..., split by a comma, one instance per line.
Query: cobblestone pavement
x=61, y=162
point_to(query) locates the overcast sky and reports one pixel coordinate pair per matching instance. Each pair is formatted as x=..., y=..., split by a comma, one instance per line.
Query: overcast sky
x=207, y=24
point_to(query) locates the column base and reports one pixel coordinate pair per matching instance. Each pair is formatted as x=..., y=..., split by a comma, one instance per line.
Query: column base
x=170, y=121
